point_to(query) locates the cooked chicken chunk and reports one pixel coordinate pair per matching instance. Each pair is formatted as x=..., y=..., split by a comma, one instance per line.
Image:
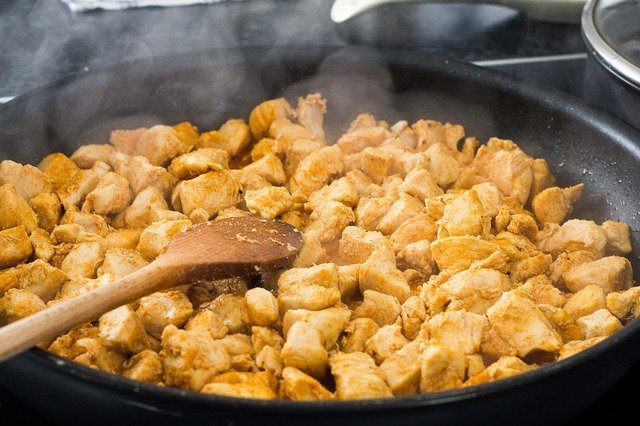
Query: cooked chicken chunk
x=585, y=301
x=41, y=278
x=211, y=191
x=356, y=334
x=612, y=273
x=459, y=331
x=28, y=180
x=74, y=191
x=260, y=385
x=119, y=262
x=315, y=171
x=358, y=377
x=298, y=386
x=268, y=202
x=304, y=350
x=572, y=348
x=145, y=366
x=48, y=210
x=475, y=290
x=573, y=235
x=601, y=323
x=329, y=219
x=111, y=195
x=458, y=253
x=404, y=208
x=618, y=241
x=159, y=144
x=262, y=306
x=420, y=227
x=266, y=113
x=17, y=303
x=329, y=322
x=158, y=310
x=357, y=245
x=563, y=323
x=190, y=359
x=402, y=370
x=382, y=308
x=555, y=204
x=269, y=167
x=155, y=239
x=233, y=312
x=122, y=330
x=464, y=215
x=198, y=162
x=541, y=291
x=522, y=325
x=565, y=262
x=383, y=276
x=625, y=305
x=14, y=210
x=141, y=174
x=385, y=342
x=506, y=366
x=233, y=136
x=441, y=369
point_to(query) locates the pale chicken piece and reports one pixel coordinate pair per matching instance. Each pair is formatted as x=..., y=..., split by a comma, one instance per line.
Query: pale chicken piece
x=298, y=386
x=325, y=275
x=358, y=139
x=58, y=168
x=284, y=131
x=198, y=162
x=240, y=350
x=265, y=336
x=48, y=210
x=111, y=195
x=249, y=389
x=542, y=177
x=308, y=296
x=269, y=359
x=66, y=233
x=475, y=290
x=358, y=377
x=555, y=204
x=565, y=262
x=618, y=241
x=417, y=256
x=382, y=276
x=17, y=303
x=474, y=365
x=303, y=349
x=356, y=334
x=84, y=259
x=506, y=366
x=232, y=311
x=357, y=244
x=266, y=113
x=42, y=247
x=14, y=210
x=141, y=174
x=507, y=166
x=385, y=342
x=119, y=262
x=361, y=182
x=601, y=323
x=576, y=346
x=402, y=130
x=523, y=224
x=402, y=209
x=207, y=321
x=147, y=207
x=66, y=344
x=370, y=211
x=159, y=143
x=464, y=215
x=96, y=355
x=101, y=168
x=518, y=321
x=249, y=181
x=145, y=366
x=296, y=150
x=268, y=202
x=612, y=273
x=74, y=191
x=310, y=113
x=87, y=155
x=382, y=308
x=563, y=323
x=420, y=227
x=496, y=260
x=348, y=281
x=315, y=171
x=329, y=219
x=91, y=223
x=490, y=197
x=362, y=121
x=28, y=180
x=211, y=191
x=41, y=278
x=124, y=238
x=421, y=184
x=541, y=291
x=155, y=238
x=625, y=305
x=586, y=301
x=233, y=136
x=267, y=146
x=442, y=369
x=329, y=322
x=573, y=235
x=413, y=314
x=378, y=163
x=190, y=359
x=459, y=252
x=402, y=370
x=269, y=167
x=459, y=331
x=122, y=330
x=340, y=190
x=161, y=309
x=443, y=167
x=262, y=306
x=312, y=252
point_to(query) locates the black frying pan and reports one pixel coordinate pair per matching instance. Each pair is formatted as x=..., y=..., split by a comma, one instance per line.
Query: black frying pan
x=206, y=88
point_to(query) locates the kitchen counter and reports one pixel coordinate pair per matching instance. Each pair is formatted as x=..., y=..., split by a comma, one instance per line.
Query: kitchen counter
x=43, y=41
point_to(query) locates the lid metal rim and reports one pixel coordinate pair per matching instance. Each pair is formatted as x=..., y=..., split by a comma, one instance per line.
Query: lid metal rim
x=604, y=53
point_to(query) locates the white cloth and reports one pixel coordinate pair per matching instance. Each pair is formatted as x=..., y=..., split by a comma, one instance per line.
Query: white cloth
x=82, y=5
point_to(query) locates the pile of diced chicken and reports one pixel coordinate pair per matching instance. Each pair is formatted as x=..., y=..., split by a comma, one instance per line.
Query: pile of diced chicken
x=429, y=262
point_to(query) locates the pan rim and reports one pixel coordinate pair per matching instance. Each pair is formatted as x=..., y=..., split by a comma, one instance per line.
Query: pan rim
x=601, y=122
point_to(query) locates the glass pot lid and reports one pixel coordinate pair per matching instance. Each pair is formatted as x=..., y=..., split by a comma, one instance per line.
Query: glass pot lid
x=611, y=29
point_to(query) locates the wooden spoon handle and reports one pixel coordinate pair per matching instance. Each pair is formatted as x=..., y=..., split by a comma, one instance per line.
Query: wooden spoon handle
x=51, y=322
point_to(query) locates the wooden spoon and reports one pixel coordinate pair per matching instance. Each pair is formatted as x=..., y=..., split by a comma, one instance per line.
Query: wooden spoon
x=212, y=250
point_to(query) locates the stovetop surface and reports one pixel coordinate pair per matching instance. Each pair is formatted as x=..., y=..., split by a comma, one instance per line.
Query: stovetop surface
x=42, y=41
